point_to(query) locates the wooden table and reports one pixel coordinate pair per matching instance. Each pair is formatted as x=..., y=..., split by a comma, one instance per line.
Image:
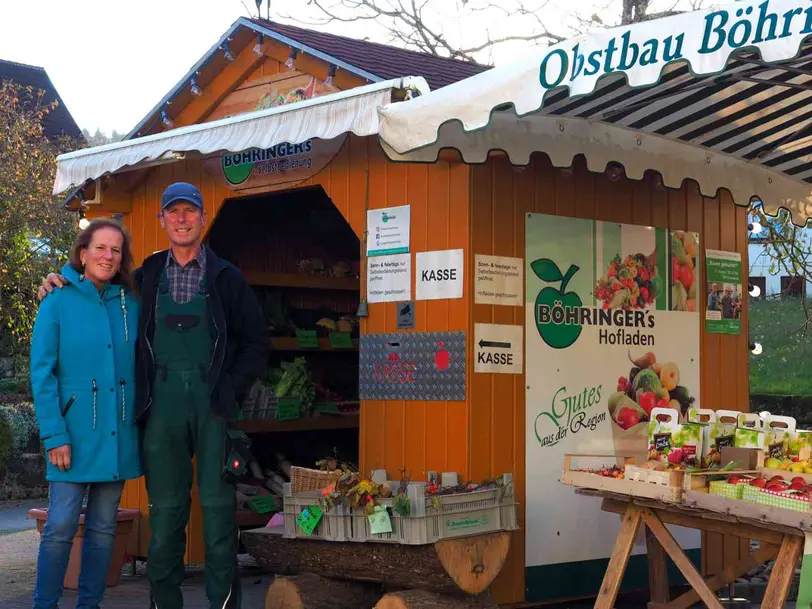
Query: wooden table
x=781, y=542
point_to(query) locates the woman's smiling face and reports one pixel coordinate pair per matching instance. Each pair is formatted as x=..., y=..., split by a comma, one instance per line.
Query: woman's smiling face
x=102, y=258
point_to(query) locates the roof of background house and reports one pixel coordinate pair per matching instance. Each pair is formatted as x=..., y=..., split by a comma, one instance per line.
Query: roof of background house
x=56, y=123
x=385, y=61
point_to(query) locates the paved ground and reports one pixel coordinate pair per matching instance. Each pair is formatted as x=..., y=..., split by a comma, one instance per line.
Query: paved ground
x=19, y=541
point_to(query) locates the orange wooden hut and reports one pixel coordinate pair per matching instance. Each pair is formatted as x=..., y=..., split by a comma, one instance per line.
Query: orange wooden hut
x=279, y=126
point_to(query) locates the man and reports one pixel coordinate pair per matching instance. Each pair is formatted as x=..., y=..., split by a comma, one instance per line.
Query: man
x=727, y=304
x=713, y=299
x=201, y=345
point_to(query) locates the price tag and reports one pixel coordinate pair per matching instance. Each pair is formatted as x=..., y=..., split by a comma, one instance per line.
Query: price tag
x=307, y=339
x=379, y=521
x=341, y=340
x=288, y=409
x=309, y=519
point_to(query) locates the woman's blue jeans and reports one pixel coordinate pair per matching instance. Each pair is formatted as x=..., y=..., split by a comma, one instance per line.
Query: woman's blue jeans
x=64, y=509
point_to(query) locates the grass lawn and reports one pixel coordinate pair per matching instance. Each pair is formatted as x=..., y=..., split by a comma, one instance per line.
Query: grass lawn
x=783, y=368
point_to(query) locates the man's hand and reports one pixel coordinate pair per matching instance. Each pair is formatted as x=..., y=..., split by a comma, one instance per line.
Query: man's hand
x=60, y=457
x=48, y=284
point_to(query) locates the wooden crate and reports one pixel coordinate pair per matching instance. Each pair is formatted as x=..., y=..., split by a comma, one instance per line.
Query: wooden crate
x=746, y=512
x=662, y=486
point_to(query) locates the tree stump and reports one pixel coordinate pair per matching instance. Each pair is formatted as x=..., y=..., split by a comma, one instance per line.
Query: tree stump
x=474, y=562
x=469, y=564
x=422, y=599
x=309, y=591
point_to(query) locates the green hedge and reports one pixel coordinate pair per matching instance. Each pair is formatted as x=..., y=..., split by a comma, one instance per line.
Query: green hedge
x=782, y=368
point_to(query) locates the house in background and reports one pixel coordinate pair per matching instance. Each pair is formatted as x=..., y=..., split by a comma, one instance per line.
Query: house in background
x=57, y=124
x=771, y=278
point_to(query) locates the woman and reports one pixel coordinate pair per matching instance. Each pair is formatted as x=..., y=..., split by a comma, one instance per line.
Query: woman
x=83, y=381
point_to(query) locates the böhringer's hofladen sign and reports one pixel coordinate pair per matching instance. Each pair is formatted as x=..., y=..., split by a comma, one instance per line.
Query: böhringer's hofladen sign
x=611, y=333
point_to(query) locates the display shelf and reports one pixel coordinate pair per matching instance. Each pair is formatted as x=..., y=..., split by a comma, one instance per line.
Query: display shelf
x=290, y=280
x=314, y=423
x=285, y=343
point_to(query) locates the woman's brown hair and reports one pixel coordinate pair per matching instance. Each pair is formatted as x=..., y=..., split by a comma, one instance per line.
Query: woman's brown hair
x=83, y=240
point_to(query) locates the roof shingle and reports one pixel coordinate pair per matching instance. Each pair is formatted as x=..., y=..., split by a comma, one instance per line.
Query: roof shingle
x=55, y=124
x=384, y=61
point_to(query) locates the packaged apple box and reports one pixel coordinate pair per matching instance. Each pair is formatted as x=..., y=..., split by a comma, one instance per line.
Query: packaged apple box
x=749, y=431
x=716, y=433
x=672, y=441
x=800, y=446
x=778, y=434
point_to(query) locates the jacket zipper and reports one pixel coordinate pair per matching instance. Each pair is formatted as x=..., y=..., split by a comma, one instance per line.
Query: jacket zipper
x=68, y=406
x=95, y=393
x=123, y=402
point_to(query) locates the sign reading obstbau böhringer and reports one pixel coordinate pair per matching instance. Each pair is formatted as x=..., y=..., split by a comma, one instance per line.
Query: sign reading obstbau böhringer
x=724, y=306
x=611, y=333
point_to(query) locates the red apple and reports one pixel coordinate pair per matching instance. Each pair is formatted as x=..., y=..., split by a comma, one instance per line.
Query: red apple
x=734, y=480
x=648, y=401
x=777, y=478
x=686, y=276
x=800, y=479
x=797, y=486
x=627, y=418
x=759, y=482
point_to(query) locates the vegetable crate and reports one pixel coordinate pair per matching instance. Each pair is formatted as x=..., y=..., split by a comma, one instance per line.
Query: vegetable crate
x=636, y=481
x=335, y=524
x=431, y=519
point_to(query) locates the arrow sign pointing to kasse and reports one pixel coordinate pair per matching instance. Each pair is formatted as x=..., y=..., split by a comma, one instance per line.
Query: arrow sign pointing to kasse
x=493, y=345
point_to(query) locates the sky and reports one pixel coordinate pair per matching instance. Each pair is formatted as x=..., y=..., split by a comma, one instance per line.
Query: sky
x=112, y=61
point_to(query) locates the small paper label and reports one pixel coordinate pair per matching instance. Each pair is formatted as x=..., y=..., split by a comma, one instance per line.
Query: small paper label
x=341, y=340
x=662, y=442
x=309, y=519
x=379, y=521
x=288, y=409
x=723, y=442
x=776, y=451
x=307, y=339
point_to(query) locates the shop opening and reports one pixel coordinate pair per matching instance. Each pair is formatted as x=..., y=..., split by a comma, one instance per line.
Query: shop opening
x=301, y=257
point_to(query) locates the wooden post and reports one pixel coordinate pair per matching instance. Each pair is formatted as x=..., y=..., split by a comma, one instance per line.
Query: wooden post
x=474, y=562
x=678, y=556
x=657, y=569
x=619, y=559
x=421, y=599
x=783, y=571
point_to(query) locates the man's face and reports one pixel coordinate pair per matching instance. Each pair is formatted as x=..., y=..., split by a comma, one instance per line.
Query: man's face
x=183, y=223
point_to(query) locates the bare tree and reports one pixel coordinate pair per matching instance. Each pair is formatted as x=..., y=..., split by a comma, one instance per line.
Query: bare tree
x=423, y=25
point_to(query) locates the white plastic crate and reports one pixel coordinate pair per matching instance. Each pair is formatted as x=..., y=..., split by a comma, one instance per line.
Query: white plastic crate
x=459, y=515
x=335, y=524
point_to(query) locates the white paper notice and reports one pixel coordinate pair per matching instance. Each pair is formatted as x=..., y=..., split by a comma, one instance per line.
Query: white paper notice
x=499, y=281
x=389, y=278
x=498, y=349
x=388, y=230
x=439, y=275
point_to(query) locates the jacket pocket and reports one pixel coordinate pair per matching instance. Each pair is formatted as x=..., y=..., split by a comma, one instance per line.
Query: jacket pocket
x=66, y=408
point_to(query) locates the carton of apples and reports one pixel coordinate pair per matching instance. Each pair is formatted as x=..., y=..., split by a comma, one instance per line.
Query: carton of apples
x=775, y=491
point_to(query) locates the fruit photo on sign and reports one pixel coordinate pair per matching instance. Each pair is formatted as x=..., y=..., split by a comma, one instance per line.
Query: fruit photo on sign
x=630, y=283
x=684, y=248
x=649, y=385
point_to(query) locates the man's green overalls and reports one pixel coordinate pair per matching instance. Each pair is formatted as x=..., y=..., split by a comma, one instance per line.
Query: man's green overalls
x=182, y=425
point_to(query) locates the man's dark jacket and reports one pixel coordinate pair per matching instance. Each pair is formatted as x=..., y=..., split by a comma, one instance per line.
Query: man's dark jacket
x=237, y=328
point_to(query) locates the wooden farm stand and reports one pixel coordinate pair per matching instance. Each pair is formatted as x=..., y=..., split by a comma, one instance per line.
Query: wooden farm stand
x=614, y=154
x=450, y=574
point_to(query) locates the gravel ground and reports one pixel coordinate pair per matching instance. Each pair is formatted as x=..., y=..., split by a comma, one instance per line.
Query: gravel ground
x=18, y=564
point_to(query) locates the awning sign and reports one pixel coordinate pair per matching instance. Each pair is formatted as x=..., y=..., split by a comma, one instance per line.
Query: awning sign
x=274, y=167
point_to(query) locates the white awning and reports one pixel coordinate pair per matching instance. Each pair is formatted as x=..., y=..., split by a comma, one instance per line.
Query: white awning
x=719, y=96
x=353, y=111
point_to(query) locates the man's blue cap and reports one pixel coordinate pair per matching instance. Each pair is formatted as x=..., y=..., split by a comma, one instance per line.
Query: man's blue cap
x=181, y=191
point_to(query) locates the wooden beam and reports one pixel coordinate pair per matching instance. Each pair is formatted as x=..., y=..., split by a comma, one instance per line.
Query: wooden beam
x=730, y=574
x=657, y=569
x=783, y=572
x=214, y=92
x=312, y=65
x=723, y=527
x=676, y=553
x=619, y=559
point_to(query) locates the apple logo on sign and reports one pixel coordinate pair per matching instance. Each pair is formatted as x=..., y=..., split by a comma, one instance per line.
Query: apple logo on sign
x=442, y=358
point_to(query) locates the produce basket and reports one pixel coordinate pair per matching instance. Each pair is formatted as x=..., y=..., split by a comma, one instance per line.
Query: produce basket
x=335, y=523
x=631, y=480
x=724, y=489
x=303, y=479
x=444, y=516
x=782, y=500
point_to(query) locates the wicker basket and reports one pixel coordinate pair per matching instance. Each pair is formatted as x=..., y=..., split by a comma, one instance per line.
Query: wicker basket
x=303, y=479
